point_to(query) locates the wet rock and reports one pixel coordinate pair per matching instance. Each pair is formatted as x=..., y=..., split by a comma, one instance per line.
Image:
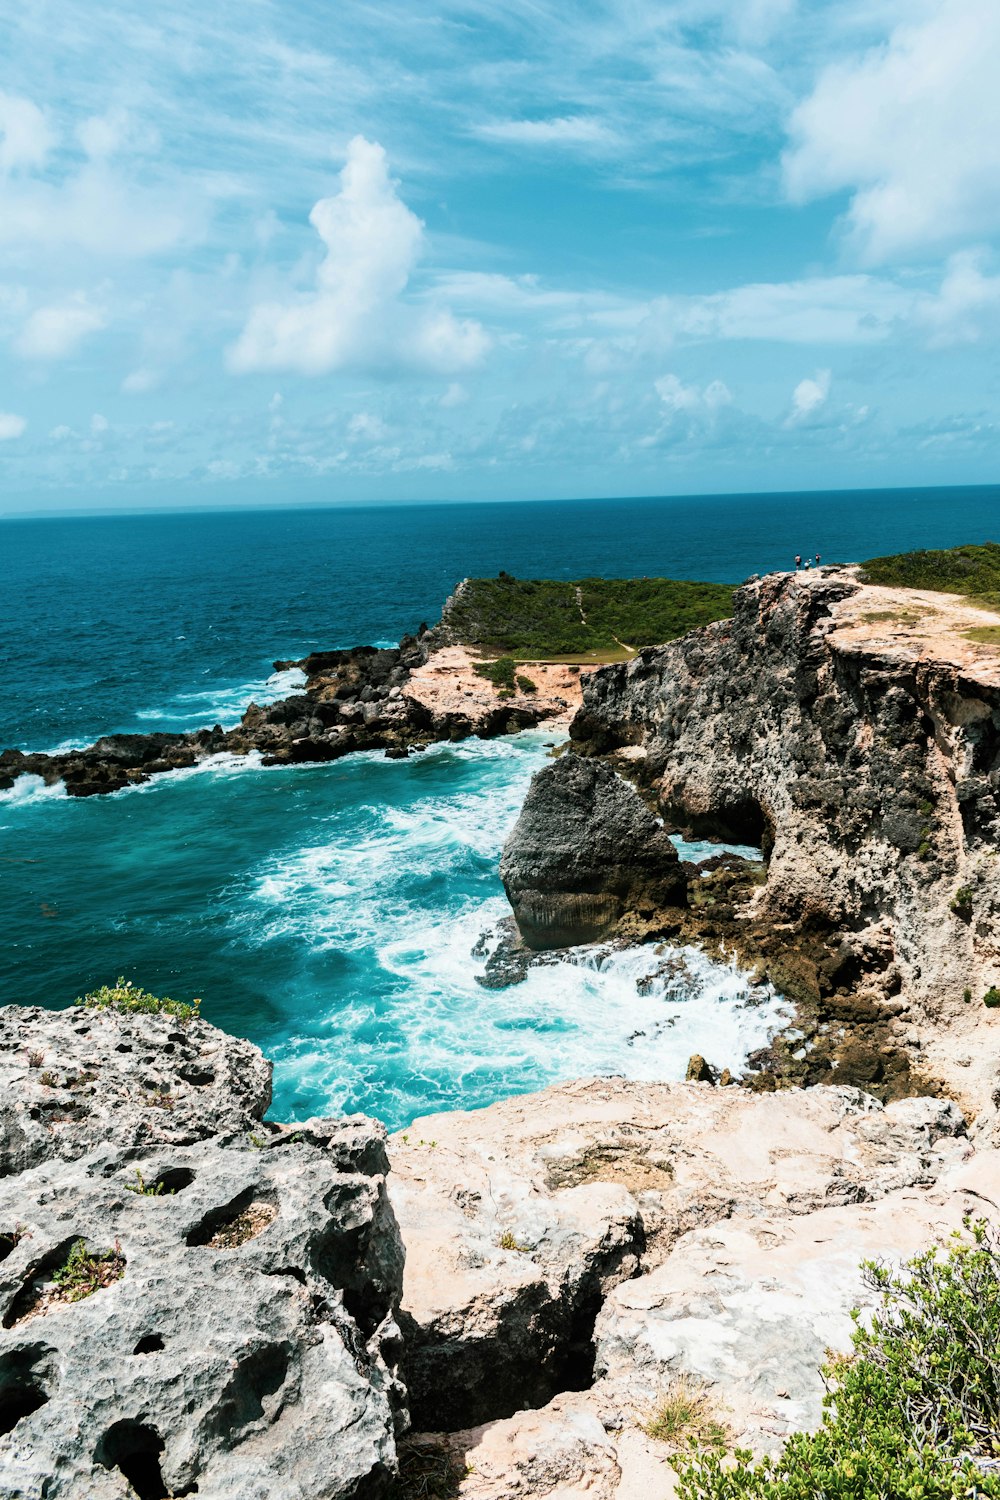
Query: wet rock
x=587, y=859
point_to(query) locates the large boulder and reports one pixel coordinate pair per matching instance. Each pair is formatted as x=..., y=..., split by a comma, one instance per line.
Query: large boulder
x=587, y=859
x=191, y=1300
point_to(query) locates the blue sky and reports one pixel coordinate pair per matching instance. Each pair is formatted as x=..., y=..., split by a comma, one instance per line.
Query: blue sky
x=304, y=252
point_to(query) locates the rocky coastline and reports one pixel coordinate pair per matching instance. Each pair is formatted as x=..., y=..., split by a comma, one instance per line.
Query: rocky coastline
x=394, y=699
x=494, y=1303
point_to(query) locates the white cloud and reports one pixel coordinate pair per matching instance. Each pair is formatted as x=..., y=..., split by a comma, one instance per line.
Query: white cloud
x=25, y=135
x=455, y=395
x=678, y=397
x=912, y=129
x=54, y=332
x=563, y=130
x=808, y=397
x=365, y=426
x=11, y=425
x=967, y=304
x=99, y=424
x=137, y=382
x=355, y=316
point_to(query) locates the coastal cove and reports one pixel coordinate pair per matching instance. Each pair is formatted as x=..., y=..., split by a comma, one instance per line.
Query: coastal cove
x=329, y=913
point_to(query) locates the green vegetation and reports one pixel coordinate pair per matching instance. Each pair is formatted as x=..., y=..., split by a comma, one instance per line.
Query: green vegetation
x=509, y=1241
x=914, y=1407
x=983, y=635
x=85, y=1272
x=501, y=673
x=961, y=902
x=685, y=1419
x=970, y=570
x=992, y=998
x=131, y=999
x=596, y=619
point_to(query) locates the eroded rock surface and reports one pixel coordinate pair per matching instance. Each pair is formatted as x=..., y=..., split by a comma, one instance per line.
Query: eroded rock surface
x=855, y=732
x=245, y=1343
x=520, y=1219
x=587, y=859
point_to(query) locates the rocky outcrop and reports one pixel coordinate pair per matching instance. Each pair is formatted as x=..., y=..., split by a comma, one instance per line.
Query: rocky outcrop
x=747, y=1218
x=227, y=1326
x=520, y=1219
x=587, y=859
x=853, y=732
x=394, y=699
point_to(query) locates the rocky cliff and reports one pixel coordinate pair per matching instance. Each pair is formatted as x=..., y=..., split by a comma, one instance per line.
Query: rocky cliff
x=191, y=1301
x=854, y=733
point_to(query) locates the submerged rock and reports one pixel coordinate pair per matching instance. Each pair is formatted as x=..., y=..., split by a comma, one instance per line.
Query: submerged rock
x=235, y=1332
x=587, y=858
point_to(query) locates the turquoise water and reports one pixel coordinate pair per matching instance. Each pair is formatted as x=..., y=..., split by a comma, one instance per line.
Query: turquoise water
x=329, y=913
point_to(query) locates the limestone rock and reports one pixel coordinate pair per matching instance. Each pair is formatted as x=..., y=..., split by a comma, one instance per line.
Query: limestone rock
x=519, y=1219
x=241, y=1341
x=854, y=732
x=586, y=853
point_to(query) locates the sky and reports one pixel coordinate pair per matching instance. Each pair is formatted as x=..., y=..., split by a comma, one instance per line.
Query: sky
x=308, y=253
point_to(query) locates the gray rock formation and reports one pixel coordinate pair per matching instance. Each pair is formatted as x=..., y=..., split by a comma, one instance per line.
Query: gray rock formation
x=237, y=1337
x=586, y=857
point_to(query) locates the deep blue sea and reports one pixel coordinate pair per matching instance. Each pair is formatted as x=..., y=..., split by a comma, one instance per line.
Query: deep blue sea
x=329, y=912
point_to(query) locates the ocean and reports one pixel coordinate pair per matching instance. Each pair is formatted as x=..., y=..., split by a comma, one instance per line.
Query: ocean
x=329, y=913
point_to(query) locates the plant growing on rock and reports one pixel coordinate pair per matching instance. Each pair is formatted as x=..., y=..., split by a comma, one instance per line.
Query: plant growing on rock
x=992, y=998
x=961, y=902
x=914, y=1411
x=130, y=999
x=85, y=1272
x=685, y=1418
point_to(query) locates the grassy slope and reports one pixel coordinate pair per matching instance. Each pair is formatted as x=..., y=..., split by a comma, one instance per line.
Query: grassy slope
x=539, y=618
x=970, y=570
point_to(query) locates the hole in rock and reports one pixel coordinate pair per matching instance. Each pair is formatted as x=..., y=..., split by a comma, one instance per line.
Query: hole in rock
x=135, y=1450
x=340, y=1255
x=8, y=1239
x=31, y=1292
x=197, y=1074
x=245, y=1398
x=150, y=1343
x=242, y=1219
x=24, y=1375
x=173, y=1180
x=741, y=821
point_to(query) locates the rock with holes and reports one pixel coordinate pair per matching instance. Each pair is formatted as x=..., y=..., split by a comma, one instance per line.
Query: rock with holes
x=184, y=1312
x=521, y=1218
x=71, y=1077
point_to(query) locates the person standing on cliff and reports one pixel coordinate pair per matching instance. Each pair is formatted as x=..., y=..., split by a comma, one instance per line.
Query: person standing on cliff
x=817, y=559
x=798, y=561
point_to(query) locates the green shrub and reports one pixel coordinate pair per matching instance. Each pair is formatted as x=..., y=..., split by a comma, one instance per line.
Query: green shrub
x=973, y=570
x=961, y=902
x=130, y=999
x=911, y=1409
x=501, y=673
x=85, y=1271
x=526, y=685
x=992, y=998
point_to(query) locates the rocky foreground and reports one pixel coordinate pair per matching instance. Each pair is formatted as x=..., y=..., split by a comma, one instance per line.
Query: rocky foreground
x=247, y=1327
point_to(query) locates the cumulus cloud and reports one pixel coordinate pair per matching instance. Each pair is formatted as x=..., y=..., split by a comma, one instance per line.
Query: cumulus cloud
x=679, y=397
x=54, y=332
x=808, y=397
x=355, y=314
x=911, y=129
x=11, y=425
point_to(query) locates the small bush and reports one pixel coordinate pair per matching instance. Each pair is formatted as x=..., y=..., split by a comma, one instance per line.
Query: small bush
x=85, y=1272
x=684, y=1419
x=502, y=672
x=526, y=685
x=509, y=1241
x=130, y=999
x=911, y=1410
x=992, y=998
x=961, y=902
